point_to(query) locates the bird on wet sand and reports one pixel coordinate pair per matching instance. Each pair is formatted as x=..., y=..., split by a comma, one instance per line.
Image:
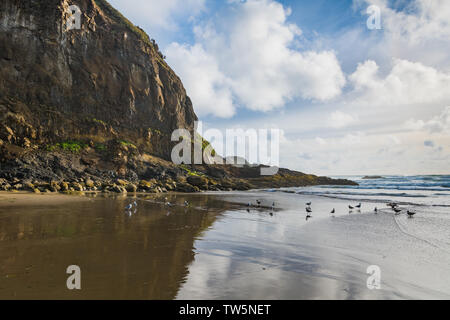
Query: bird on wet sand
x=131, y=205
x=186, y=203
x=376, y=210
x=351, y=208
x=258, y=202
x=309, y=204
x=392, y=205
x=397, y=210
x=358, y=206
x=333, y=212
x=129, y=208
x=410, y=213
x=309, y=213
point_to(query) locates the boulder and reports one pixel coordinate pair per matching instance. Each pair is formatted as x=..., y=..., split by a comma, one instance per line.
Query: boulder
x=131, y=187
x=198, y=181
x=89, y=183
x=185, y=187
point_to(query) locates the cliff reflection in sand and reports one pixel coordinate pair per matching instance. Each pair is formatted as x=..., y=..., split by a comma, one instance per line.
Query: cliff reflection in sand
x=143, y=256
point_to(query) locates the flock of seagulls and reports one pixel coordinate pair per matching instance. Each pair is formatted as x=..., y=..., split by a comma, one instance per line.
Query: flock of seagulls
x=131, y=208
x=258, y=205
x=395, y=207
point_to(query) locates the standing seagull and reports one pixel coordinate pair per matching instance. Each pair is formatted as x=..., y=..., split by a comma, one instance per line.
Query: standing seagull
x=351, y=208
x=397, y=210
x=376, y=210
x=258, y=202
x=333, y=212
x=358, y=206
x=273, y=205
x=410, y=214
x=309, y=204
x=186, y=203
x=308, y=214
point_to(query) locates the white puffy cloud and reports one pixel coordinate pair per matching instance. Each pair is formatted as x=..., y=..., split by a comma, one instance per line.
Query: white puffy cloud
x=253, y=49
x=421, y=32
x=407, y=83
x=424, y=21
x=208, y=87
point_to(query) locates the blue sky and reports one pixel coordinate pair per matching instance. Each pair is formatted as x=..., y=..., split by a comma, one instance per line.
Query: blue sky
x=349, y=100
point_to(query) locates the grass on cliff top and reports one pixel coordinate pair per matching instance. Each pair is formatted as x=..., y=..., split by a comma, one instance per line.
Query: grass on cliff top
x=205, y=143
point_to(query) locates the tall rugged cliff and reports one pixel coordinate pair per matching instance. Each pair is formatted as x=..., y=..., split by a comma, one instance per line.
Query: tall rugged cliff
x=93, y=108
x=105, y=81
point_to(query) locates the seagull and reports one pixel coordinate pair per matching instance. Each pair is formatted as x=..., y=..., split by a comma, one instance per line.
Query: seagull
x=131, y=205
x=308, y=214
x=351, y=208
x=169, y=204
x=376, y=210
x=273, y=205
x=359, y=206
x=392, y=205
x=258, y=202
x=186, y=203
x=249, y=204
x=410, y=214
x=397, y=210
x=309, y=204
x=333, y=212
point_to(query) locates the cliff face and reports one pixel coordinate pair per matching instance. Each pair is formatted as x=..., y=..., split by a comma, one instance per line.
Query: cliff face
x=93, y=109
x=105, y=81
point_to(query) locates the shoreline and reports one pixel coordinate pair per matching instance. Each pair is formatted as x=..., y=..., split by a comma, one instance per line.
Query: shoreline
x=12, y=199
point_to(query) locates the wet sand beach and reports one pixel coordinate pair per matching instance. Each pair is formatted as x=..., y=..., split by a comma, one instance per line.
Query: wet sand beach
x=217, y=248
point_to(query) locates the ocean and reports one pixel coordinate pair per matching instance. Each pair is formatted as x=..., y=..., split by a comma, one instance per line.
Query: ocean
x=406, y=190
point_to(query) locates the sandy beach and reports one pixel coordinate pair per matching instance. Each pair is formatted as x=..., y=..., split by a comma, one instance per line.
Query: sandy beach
x=216, y=248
